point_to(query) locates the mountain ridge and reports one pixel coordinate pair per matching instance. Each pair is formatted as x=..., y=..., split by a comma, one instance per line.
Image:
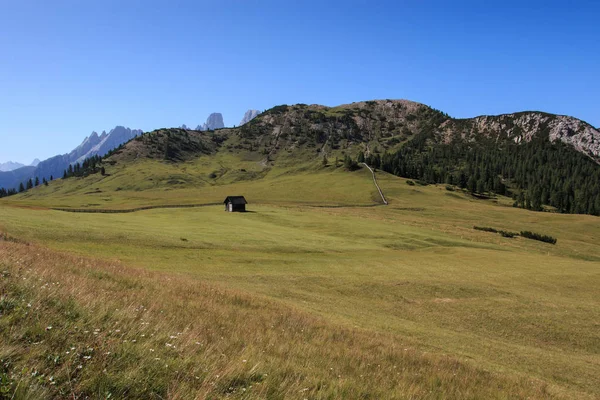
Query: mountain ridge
x=92, y=145
x=384, y=125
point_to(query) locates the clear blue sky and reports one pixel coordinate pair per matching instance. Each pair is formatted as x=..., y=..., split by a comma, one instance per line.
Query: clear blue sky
x=70, y=67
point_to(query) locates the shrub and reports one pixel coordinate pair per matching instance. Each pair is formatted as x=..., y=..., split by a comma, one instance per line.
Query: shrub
x=502, y=233
x=538, y=236
x=411, y=183
x=485, y=229
x=450, y=188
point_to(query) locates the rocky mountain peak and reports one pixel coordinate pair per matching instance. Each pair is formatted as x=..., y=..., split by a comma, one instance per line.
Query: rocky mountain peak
x=214, y=121
x=249, y=116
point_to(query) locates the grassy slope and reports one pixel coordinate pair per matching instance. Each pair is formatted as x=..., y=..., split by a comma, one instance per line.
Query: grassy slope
x=149, y=182
x=415, y=270
x=66, y=334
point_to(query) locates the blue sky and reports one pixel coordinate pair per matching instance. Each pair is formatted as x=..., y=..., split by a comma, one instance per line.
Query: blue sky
x=70, y=67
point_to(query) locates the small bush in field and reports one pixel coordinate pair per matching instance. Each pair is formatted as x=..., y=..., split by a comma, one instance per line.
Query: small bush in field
x=538, y=236
x=502, y=233
x=485, y=229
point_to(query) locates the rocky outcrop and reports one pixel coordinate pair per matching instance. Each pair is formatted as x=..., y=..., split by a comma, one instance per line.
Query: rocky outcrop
x=385, y=124
x=214, y=121
x=524, y=127
x=249, y=116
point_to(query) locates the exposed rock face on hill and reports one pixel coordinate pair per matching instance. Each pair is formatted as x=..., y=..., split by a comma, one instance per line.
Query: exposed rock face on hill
x=525, y=126
x=34, y=163
x=249, y=116
x=374, y=125
x=386, y=124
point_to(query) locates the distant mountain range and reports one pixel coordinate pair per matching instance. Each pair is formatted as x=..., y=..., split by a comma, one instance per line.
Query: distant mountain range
x=12, y=174
x=54, y=167
x=11, y=166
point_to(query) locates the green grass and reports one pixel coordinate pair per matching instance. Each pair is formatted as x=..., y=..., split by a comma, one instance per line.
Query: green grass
x=415, y=269
x=147, y=182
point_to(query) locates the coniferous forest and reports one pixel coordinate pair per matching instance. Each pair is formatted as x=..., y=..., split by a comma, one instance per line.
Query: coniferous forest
x=535, y=174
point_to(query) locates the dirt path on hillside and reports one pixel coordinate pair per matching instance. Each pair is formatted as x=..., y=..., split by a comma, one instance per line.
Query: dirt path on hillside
x=376, y=184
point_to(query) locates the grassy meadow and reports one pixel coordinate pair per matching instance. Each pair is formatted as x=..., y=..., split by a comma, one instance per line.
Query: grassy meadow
x=319, y=292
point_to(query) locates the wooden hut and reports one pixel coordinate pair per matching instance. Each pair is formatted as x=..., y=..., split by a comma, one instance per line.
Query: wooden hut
x=235, y=203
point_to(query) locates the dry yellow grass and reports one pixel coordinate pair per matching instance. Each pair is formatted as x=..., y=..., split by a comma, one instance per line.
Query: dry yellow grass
x=75, y=327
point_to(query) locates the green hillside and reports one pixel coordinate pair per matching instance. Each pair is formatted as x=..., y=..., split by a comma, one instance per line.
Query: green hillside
x=415, y=273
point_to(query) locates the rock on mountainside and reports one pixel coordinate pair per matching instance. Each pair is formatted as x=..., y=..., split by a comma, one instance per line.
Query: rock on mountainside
x=387, y=124
x=249, y=116
x=525, y=126
x=214, y=121
x=10, y=166
x=34, y=163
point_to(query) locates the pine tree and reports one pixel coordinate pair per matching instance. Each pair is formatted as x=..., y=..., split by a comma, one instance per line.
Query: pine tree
x=21, y=187
x=37, y=181
x=29, y=184
x=472, y=184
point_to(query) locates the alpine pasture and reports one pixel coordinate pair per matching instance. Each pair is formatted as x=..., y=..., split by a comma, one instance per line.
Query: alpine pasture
x=319, y=292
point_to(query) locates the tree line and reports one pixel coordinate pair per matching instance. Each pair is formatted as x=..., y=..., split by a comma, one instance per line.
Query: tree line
x=535, y=174
x=89, y=166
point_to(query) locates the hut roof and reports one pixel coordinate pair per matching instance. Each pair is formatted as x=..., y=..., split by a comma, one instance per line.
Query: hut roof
x=235, y=200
